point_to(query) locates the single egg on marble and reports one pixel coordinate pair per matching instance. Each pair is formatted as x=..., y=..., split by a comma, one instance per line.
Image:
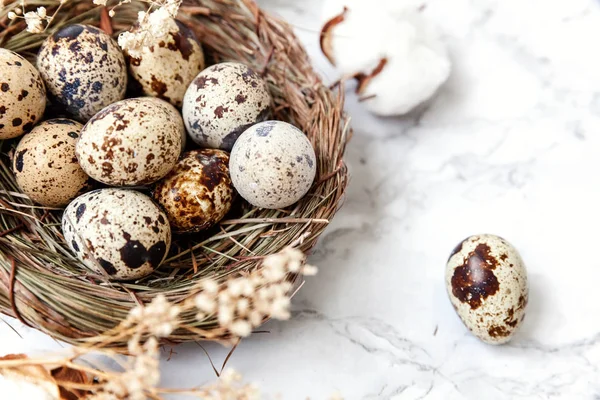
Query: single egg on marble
x=486, y=281
x=84, y=69
x=45, y=166
x=22, y=95
x=223, y=101
x=272, y=164
x=197, y=193
x=118, y=232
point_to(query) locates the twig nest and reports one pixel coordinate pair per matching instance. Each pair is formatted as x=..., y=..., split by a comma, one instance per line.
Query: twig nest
x=166, y=69
x=397, y=57
x=487, y=284
x=22, y=95
x=223, y=101
x=273, y=164
x=116, y=232
x=45, y=165
x=84, y=70
x=132, y=142
x=197, y=193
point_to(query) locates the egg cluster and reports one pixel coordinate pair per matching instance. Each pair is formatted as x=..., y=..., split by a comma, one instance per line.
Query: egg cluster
x=122, y=166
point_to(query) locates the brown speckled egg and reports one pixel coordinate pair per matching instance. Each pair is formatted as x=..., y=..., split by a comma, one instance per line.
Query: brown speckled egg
x=487, y=284
x=118, y=233
x=45, y=165
x=222, y=102
x=22, y=95
x=197, y=193
x=182, y=53
x=132, y=142
x=84, y=70
x=273, y=164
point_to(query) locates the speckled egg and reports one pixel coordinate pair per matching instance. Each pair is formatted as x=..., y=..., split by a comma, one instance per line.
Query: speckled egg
x=132, y=142
x=22, y=95
x=197, y=193
x=118, y=233
x=487, y=284
x=182, y=53
x=273, y=164
x=222, y=102
x=84, y=70
x=45, y=165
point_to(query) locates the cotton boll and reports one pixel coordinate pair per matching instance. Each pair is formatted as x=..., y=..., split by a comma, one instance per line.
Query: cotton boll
x=395, y=54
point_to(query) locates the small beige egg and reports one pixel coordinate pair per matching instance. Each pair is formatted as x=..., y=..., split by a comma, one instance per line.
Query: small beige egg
x=197, y=193
x=132, y=142
x=84, y=70
x=222, y=102
x=487, y=285
x=273, y=164
x=118, y=233
x=45, y=165
x=22, y=95
x=181, y=52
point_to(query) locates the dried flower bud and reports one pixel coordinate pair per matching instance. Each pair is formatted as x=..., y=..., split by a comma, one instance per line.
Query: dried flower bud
x=34, y=22
x=12, y=15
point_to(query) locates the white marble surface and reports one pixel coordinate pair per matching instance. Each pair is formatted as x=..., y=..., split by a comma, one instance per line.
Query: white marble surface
x=509, y=147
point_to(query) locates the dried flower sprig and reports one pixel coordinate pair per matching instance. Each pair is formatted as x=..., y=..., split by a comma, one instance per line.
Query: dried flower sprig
x=36, y=21
x=243, y=303
x=240, y=304
x=153, y=25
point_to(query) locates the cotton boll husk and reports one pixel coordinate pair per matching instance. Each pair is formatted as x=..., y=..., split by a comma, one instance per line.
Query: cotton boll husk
x=417, y=60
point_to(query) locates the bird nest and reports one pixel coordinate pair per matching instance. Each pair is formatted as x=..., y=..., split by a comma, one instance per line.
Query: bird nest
x=41, y=282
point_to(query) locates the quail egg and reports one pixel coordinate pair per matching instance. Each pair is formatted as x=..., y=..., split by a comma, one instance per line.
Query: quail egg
x=487, y=285
x=197, y=193
x=117, y=232
x=223, y=101
x=45, y=165
x=22, y=95
x=273, y=164
x=84, y=70
x=131, y=142
x=181, y=52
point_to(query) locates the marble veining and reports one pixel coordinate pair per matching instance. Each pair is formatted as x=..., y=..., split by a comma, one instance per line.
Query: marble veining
x=510, y=147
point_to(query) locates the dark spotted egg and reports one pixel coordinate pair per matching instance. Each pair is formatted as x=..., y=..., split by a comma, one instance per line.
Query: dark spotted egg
x=487, y=284
x=118, y=233
x=223, y=101
x=45, y=165
x=132, y=142
x=166, y=69
x=84, y=70
x=22, y=95
x=197, y=193
x=273, y=164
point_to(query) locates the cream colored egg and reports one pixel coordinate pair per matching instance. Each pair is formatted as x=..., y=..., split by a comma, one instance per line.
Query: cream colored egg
x=223, y=101
x=45, y=165
x=487, y=285
x=118, y=233
x=166, y=69
x=132, y=142
x=84, y=70
x=273, y=164
x=197, y=193
x=22, y=95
